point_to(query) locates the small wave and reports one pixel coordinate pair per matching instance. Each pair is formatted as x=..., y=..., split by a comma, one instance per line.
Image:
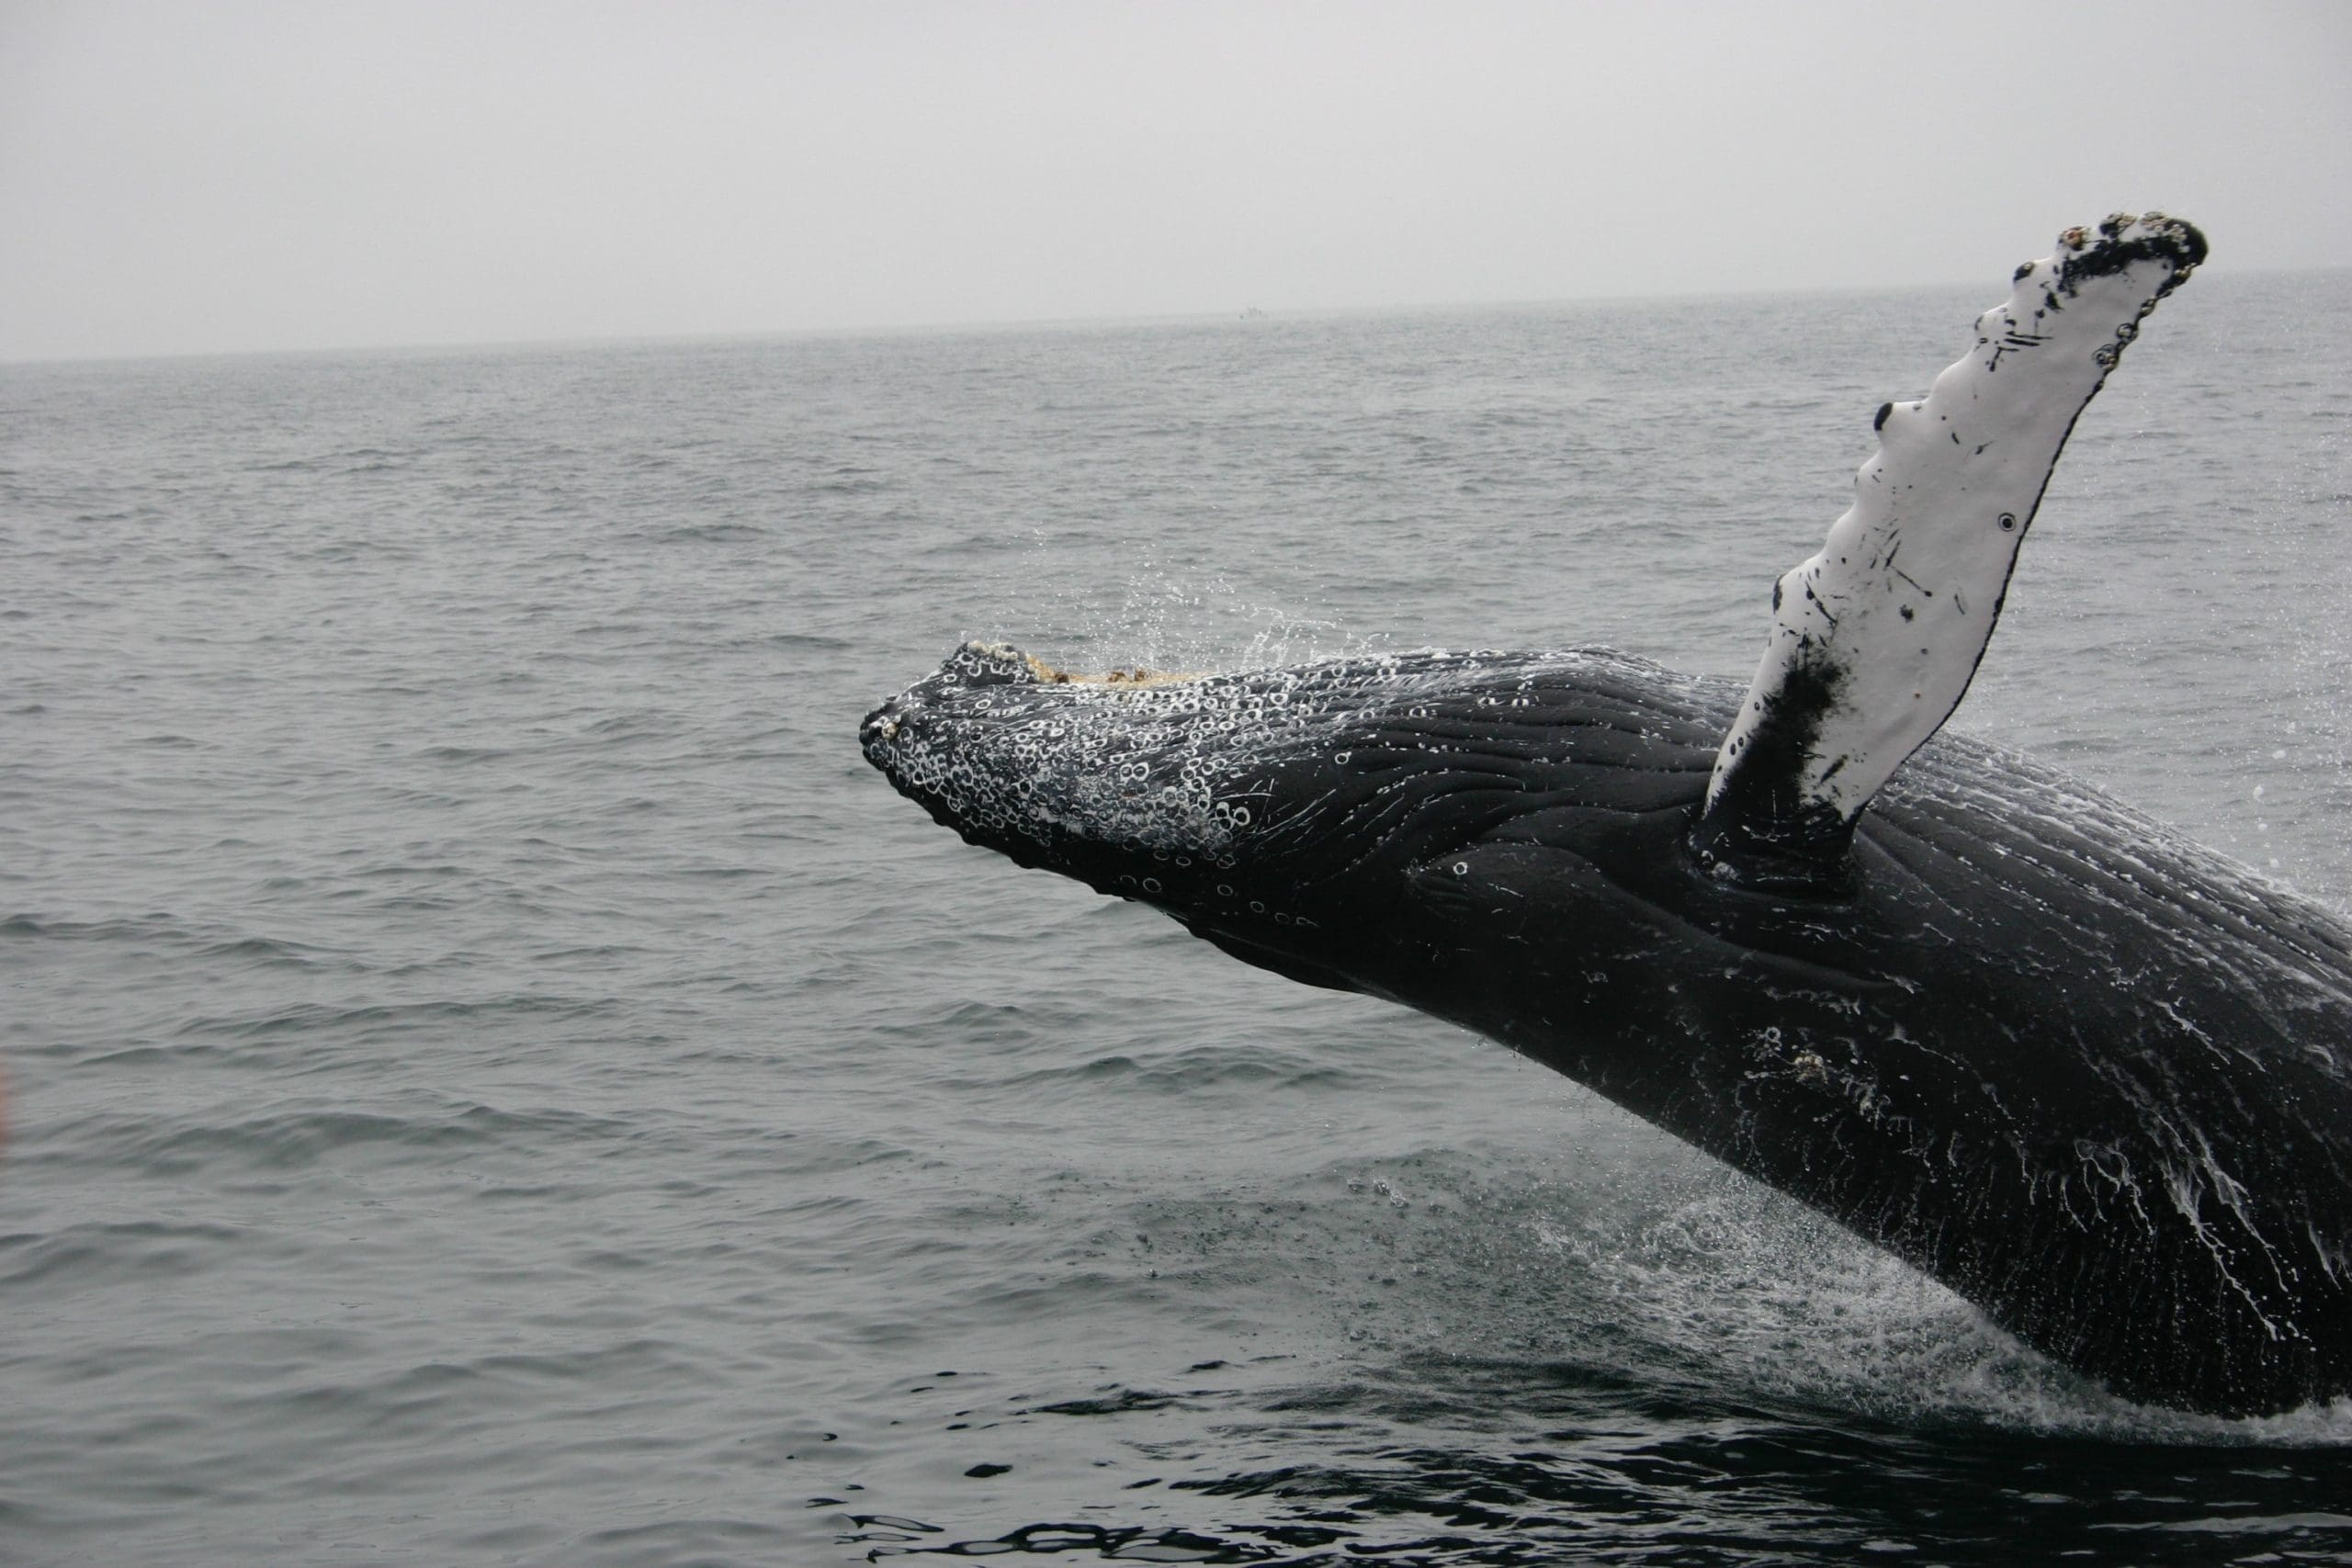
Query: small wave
x=145, y=928
x=967, y=1023
x=796, y=1154
x=378, y=1022
x=1190, y=1071
x=214, y=946
x=262, y=949
x=1113, y=1543
x=1124, y=1401
x=301, y=1139
x=93, y=1251
x=635, y=724
x=710, y=534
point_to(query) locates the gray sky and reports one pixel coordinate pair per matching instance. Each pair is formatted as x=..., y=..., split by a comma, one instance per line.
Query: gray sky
x=191, y=177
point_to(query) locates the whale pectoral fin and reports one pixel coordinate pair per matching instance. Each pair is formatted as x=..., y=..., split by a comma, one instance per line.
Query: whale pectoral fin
x=1875, y=639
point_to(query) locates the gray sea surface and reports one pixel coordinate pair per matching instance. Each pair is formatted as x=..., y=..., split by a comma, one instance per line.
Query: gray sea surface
x=494, y=1077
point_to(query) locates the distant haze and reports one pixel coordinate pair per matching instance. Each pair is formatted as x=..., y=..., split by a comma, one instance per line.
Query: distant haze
x=200, y=177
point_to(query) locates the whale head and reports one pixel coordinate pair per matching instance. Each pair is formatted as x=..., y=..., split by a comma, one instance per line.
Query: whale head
x=1275, y=812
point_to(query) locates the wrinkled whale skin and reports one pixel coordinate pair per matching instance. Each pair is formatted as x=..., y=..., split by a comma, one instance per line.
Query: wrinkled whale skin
x=2093, y=1077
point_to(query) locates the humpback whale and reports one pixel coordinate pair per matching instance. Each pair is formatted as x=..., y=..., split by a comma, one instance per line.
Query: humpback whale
x=2092, y=1076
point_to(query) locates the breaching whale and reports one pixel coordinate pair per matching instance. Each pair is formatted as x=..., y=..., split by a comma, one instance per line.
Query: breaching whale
x=2094, y=1079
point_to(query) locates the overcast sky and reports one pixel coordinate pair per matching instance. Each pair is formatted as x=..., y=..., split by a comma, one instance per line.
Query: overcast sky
x=222, y=176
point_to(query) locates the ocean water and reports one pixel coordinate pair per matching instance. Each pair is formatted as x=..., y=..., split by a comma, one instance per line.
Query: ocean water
x=494, y=1077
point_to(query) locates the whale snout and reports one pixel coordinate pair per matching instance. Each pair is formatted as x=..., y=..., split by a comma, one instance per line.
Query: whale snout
x=881, y=725
x=892, y=732
x=1023, y=758
x=1121, y=780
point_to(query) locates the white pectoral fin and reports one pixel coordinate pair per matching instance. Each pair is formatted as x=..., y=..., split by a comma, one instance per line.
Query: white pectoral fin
x=1875, y=639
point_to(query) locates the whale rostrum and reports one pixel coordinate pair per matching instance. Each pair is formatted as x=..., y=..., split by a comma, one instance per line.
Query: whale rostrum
x=2094, y=1078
